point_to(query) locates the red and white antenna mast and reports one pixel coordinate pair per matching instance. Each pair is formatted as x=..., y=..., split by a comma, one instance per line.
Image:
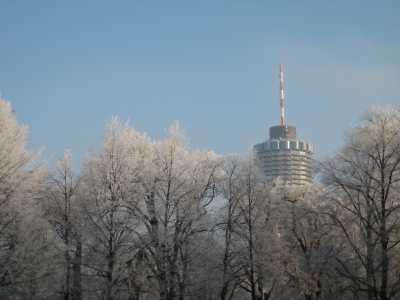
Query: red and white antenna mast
x=282, y=94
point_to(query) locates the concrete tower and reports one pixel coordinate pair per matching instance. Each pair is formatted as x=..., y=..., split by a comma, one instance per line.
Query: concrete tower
x=283, y=155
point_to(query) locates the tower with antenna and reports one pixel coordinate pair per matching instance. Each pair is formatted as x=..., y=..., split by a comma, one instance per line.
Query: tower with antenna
x=283, y=155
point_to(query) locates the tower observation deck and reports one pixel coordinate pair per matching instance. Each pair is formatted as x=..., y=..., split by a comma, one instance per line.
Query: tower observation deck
x=283, y=155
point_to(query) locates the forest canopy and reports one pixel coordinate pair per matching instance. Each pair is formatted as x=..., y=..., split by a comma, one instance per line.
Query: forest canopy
x=146, y=219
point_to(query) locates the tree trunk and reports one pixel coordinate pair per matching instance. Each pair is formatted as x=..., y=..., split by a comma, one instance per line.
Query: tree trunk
x=76, y=291
x=138, y=279
x=110, y=283
x=225, y=281
x=370, y=253
x=68, y=273
x=111, y=257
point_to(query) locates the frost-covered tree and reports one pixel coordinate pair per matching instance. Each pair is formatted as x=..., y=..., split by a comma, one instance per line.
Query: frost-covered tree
x=63, y=211
x=22, y=232
x=231, y=190
x=245, y=229
x=176, y=191
x=252, y=232
x=303, y=242
x=364, y=177
x=111, y=175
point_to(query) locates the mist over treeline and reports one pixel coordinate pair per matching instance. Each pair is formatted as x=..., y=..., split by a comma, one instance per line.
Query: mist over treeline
x=146, y=219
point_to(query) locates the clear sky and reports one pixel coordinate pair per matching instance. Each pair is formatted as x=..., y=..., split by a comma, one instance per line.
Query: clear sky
x=69, y=66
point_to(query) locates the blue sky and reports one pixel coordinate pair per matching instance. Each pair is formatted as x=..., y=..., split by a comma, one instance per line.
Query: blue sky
x=67, y=67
